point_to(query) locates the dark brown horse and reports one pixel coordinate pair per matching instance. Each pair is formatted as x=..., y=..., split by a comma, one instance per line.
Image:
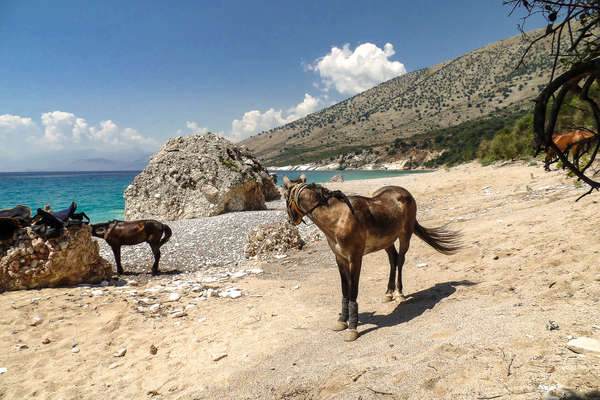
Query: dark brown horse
x=357, y=225
x=124, y=233
x=574, y=141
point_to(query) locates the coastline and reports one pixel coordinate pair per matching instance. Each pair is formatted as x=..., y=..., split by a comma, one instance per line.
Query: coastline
x=393, y=166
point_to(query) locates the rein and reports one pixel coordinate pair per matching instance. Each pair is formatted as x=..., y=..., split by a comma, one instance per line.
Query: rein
x=293, y=199
x=293, y=202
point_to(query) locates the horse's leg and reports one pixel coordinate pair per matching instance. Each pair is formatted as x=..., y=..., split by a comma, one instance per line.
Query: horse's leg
x=402, y=249
x=393, y=258
x=156, y=251
x=576, y=156
x=117, y=253
x=547, y=163
x=342, y=322
x=355, y=264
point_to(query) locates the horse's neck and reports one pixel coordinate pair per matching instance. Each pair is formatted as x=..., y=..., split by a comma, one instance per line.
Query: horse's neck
x=323, y=218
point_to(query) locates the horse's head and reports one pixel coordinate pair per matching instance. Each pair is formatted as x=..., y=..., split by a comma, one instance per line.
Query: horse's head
x=320, y=197
x=100, y=230
x=291, y=197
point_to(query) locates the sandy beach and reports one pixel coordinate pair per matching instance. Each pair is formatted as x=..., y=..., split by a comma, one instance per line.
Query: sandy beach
x=475, y=325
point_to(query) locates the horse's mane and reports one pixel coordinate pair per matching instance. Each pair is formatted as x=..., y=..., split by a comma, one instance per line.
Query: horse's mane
x=323, y=195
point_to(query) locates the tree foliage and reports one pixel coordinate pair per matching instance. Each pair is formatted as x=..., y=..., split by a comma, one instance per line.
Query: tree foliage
x=574, y=27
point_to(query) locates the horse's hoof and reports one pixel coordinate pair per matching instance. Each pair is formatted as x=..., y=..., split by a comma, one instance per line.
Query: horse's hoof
x=387, y=298
x=339, y=326
x=351, y=335
x=400, y=297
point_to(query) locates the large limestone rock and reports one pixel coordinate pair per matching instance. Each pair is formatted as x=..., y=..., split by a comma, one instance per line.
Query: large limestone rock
x=198, y=176
x=27, y=261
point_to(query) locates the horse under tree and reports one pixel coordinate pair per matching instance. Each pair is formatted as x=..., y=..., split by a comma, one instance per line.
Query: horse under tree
x=574, y=27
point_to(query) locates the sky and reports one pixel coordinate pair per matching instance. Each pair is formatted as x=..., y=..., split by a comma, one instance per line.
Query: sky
x=115, y=79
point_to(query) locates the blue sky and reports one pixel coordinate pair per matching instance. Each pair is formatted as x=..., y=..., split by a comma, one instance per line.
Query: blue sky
x=115, y=79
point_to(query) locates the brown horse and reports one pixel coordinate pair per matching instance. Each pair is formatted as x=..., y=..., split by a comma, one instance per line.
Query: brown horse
x=570, y=140
x=124, y=233
x=357, y=225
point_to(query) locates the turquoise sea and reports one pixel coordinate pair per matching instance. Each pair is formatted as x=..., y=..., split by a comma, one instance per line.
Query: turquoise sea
x=100, y=194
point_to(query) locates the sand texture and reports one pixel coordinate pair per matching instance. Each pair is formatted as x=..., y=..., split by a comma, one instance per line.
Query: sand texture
x=475, y=325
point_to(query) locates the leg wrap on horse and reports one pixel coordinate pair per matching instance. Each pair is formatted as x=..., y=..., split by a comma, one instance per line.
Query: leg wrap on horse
x=353, y=315
x=344, y=314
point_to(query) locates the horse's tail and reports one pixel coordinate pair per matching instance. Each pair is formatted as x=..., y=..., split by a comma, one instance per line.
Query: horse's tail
x=443, y=240
x=167, y=234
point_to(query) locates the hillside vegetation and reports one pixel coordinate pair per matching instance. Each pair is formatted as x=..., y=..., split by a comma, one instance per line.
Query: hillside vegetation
x=482, y=86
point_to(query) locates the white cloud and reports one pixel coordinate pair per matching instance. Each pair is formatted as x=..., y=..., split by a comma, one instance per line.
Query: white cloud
x=58, y=126
x=14, y=124
x=80, y=128
x=309, y=104
x=14, y=131
x=133, y=136
x=255, y=121
x=107, y=133
x=196, y=130
x=59, y=130
x=351, y=72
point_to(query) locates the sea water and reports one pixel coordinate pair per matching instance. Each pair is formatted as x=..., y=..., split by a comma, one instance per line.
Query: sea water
x=100, y=194
x=348, y=175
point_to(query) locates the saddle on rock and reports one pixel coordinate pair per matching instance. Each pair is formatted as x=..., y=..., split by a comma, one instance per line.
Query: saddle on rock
x=12, y=219
x=50, y=225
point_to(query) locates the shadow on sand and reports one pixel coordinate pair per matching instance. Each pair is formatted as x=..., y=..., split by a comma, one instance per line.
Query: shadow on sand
x=144, y=273
x=567, y=394
x=417, y=304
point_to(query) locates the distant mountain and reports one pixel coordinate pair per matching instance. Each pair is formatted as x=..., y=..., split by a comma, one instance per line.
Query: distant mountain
x=106, y=164
x=475, y=85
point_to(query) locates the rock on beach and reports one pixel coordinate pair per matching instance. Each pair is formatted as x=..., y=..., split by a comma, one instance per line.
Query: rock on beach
x=198, y=176
x=28, y=261
x=215, y=245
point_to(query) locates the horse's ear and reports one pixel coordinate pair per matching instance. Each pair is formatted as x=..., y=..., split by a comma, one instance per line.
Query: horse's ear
x=303, y=178
x=286, y=182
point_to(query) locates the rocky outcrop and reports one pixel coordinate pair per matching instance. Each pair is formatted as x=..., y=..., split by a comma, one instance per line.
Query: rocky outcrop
x=198, y=176
x=272, y=237
x=27, y=261
x=367, y=160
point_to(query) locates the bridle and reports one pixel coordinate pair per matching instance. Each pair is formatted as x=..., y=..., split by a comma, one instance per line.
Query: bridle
x=292, y=203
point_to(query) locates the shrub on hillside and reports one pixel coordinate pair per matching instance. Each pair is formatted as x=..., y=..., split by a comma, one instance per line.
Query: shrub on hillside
x=509, y=143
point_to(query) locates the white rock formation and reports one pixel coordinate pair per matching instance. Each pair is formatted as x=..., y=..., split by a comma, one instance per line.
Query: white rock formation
x=27, y=261
x=198, y=176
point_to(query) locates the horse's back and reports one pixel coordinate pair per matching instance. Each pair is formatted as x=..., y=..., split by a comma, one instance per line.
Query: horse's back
x=389, y=214
x=392, y=204
x=394, y=193
x=562, y=140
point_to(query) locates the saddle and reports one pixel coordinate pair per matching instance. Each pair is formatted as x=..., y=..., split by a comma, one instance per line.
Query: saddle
x=12, y=219
x=50, y=225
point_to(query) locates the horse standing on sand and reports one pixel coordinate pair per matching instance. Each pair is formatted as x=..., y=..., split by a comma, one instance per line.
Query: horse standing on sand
x=124, y=233
x=357, y=225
